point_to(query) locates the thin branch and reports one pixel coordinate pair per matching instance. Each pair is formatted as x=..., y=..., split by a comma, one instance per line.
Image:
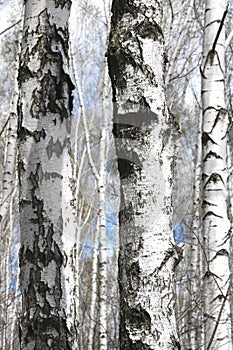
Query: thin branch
x=178, y=44
x=83, y=113
x=172, y=12
x=86, y=218
x=218, y=320
x=4, y=126
x=8, y=28
x=220, y=28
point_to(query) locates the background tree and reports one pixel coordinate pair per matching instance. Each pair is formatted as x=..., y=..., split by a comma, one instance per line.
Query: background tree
x=95, y=159
x=9, y=236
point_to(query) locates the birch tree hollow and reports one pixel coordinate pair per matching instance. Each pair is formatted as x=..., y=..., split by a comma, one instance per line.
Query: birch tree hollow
x=47, y=207
x=216, y=224
x=144, y=147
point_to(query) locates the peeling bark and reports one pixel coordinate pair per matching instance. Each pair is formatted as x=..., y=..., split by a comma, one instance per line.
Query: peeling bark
x=215, y=220
x=47, y=206
x=142, y=131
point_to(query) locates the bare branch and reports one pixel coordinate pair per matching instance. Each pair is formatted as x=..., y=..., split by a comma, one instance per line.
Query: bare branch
x=8, y=28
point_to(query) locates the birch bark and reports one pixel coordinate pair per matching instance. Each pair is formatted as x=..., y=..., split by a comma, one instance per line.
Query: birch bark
x=216, y=224
x=230, y=214
x=8, y=191
x=102, y=218
x=93, y=287
x=9, y=167
x=144, y=149
x=47, y=208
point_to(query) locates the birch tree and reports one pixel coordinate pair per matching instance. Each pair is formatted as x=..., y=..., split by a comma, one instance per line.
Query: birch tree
x=214, y=174
x=6, y=229
x=8, y=188
x=142, y=131
x=47, y=213
x=229, y=83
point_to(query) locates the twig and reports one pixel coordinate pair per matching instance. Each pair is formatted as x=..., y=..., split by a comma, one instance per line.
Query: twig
x=8, y=28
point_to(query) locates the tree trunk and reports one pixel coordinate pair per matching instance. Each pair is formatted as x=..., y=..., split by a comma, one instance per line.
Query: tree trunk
x=8, y=191
x=214, y=174
x=102, y=218
x=93, y=319
x=9, y=168
x=47, y=212
x=144, y=149
x=230, y=214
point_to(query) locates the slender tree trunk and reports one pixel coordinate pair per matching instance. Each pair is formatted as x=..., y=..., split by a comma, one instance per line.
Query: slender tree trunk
x=102, y=220
x=214, y=174
x=93, y=319
x=47, y=213
x=144, y=149
x=230, y=214
x=9, y=167
x=9, y=183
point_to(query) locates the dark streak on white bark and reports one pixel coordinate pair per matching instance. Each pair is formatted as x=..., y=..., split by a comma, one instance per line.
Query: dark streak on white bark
x=132, y=129
x=214, y=177
x=44, y=321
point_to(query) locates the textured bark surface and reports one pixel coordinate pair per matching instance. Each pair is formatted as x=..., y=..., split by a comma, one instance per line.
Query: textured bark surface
x=144, y=149
x=9, y=168
x=47, y=215
x=6, y=234
x=214, y=176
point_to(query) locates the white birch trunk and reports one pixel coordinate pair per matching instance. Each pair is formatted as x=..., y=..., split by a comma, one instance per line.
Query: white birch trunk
x=9, y=166
x=47, y=212
x=93, y=319
x=230, y=214
x=214, y=174
x=16, y=298
x=144, y=148
x=102, y=219
x=9, y=184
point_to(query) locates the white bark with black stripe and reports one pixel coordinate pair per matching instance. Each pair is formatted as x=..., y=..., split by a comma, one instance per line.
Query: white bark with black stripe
x=144, y=149
x=214, y=176
x=47, y=208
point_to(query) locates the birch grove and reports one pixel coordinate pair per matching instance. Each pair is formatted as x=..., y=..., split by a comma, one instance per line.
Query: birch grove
x=116, y=174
